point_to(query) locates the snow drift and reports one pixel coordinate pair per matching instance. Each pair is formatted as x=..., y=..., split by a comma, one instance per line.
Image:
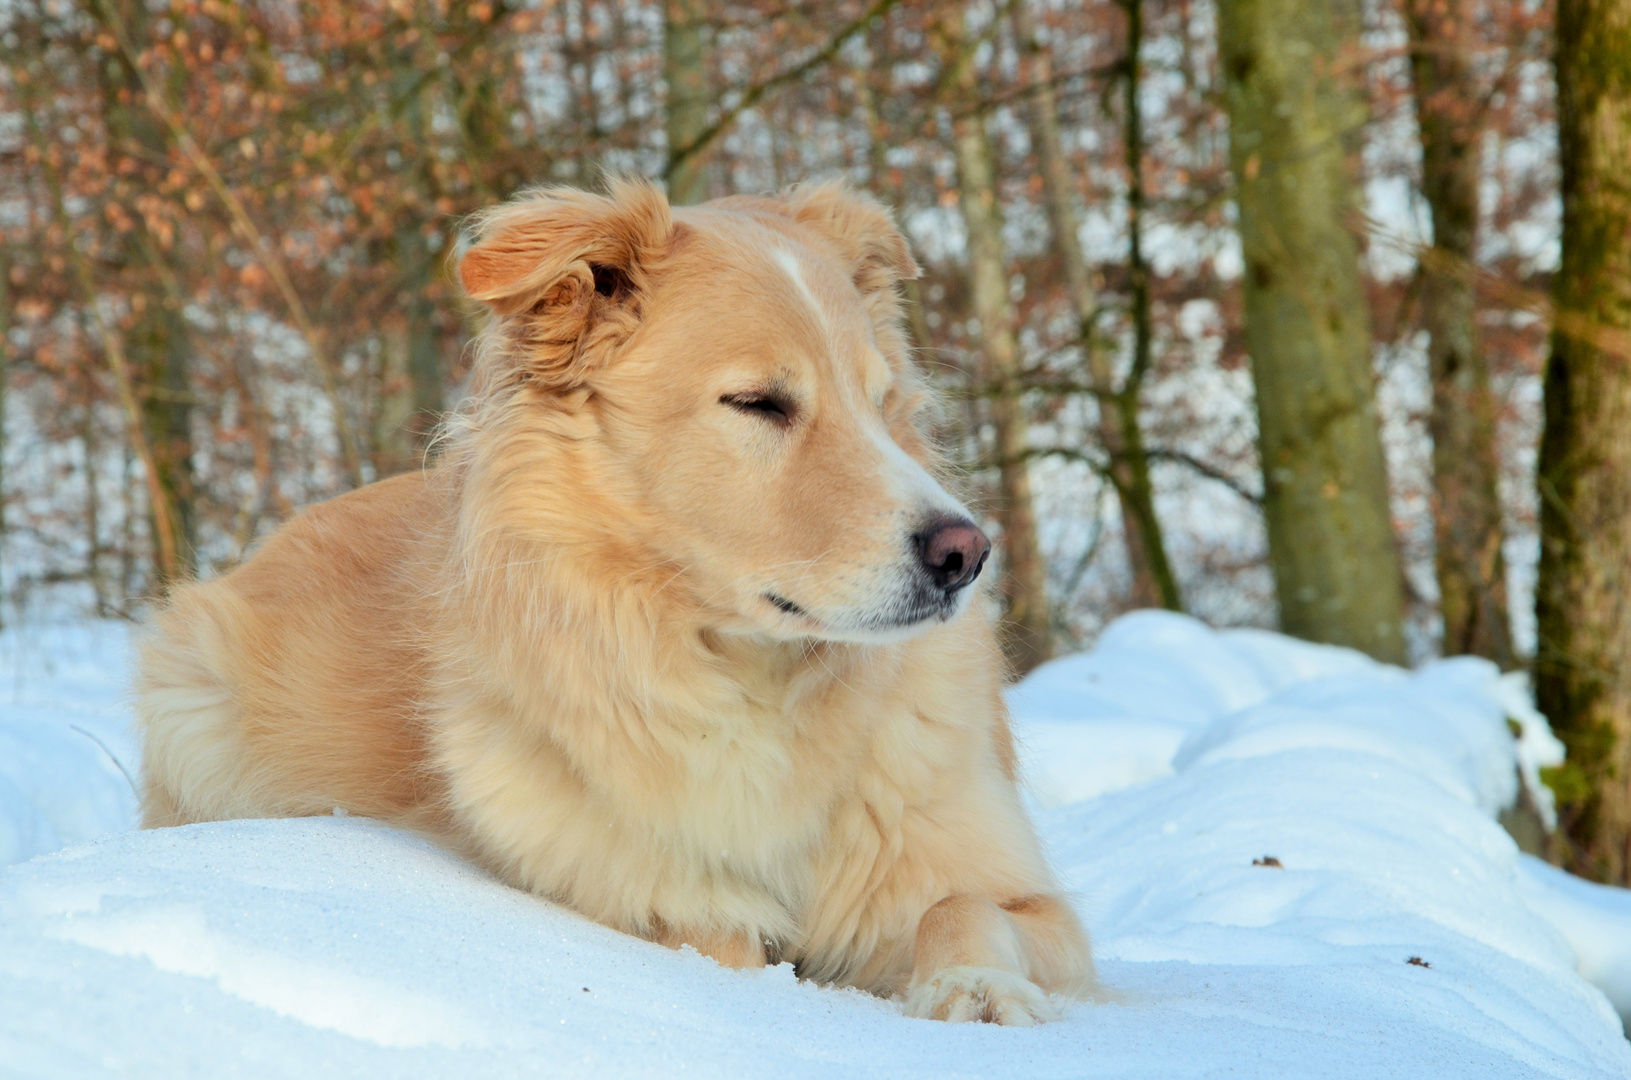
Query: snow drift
x=1286, y=854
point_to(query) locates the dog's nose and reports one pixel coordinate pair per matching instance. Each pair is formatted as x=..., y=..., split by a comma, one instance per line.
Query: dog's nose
x=953, y=551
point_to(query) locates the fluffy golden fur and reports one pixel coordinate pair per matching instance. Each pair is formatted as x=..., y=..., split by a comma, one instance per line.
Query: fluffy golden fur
x=651, y=639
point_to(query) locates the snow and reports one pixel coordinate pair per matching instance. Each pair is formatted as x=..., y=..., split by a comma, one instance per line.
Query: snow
x=1537, y=746
x=62, y=691
x=1387, y=927
x=1594, y=918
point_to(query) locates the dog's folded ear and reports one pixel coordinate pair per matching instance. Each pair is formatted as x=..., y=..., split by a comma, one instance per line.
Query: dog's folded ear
x=565, y=271
x=860, y=228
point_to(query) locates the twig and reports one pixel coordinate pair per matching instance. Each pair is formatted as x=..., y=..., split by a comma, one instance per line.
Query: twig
x=1031, y=89
x=111, y=757
x=1195, y=464
x=754, y=94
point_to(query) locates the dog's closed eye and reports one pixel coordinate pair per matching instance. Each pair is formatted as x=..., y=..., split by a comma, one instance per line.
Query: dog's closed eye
x=775, y=407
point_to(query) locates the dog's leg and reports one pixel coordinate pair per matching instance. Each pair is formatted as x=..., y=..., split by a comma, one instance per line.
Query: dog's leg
x=1055, y=944
x=733, y=950
x=976, y=960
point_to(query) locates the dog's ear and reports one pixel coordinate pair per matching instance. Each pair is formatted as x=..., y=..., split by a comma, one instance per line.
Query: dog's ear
x=564, y=273
x=860, y=228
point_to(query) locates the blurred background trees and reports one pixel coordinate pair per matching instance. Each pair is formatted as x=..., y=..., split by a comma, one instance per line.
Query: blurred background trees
x=1241, y=306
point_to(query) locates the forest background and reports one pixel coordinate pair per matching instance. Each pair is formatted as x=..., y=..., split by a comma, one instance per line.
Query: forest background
x=1291, y=313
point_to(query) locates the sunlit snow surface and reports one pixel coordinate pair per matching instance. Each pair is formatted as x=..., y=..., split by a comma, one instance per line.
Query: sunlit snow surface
x=1163, y=764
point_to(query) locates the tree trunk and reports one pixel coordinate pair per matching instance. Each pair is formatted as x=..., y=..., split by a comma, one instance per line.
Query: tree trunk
x=412, y=387
x=686, y=78
x=1583, y=595
x=160, y=351
x=1153, y=582
x=166, y=557
x=91, y=445
x=5, y=382
x=128, y=461
x=393, y=439
x=1331, y=544
x=1132, y=471
x=1467, y=503
x=1027, y=629
x=412, y=382
x=410, y=401
x=158, y=346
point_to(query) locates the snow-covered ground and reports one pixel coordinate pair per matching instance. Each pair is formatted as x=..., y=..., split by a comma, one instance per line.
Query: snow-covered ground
x=1286, y=853
x=64, y=729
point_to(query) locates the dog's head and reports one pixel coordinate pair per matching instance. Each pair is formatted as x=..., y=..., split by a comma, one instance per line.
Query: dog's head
x=739, y=386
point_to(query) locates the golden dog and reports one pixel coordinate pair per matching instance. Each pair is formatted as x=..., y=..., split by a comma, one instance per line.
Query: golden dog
x=677, y=633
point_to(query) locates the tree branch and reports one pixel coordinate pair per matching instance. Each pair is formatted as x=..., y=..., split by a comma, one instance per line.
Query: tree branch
x=1101, y=465
x=678, y=156
x=1031, y=89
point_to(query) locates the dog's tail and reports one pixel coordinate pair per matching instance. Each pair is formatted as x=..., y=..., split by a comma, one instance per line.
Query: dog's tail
x=194, y=752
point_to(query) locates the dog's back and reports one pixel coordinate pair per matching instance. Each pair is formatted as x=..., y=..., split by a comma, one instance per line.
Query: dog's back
x=291, y=686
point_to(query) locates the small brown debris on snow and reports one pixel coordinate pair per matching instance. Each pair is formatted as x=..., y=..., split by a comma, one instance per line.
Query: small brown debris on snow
x=1269, y=860
x=1418, y=961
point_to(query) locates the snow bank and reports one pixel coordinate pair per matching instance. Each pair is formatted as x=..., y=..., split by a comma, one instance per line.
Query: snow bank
x=1594, y=918
x=1116, y=716
x=63, y=730
x=1388, y=926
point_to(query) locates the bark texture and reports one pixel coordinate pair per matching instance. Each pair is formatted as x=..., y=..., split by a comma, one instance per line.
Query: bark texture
x=1153, y=582
x=1027, y=628
x=160, y=350
x=1290, y=77
x=1583, y=596
x=1467, y=506
x=686, y=80
x=159, y=345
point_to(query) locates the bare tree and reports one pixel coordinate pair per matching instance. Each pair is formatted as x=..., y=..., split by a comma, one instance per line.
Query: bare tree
x=159, y=345
x=1583, y=597
x=1291, y=111
x=1028, y=625
x=685, y=78
x=1467, y=512
x=7, y=359
x=168, y=563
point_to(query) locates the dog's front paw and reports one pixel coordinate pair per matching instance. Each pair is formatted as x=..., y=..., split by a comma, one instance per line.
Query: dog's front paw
x=990, y=994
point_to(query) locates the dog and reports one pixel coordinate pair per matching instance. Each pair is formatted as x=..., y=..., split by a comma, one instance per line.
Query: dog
x=683, y=630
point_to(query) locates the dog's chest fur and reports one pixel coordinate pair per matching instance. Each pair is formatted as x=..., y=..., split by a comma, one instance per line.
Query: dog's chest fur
x=715, y=808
